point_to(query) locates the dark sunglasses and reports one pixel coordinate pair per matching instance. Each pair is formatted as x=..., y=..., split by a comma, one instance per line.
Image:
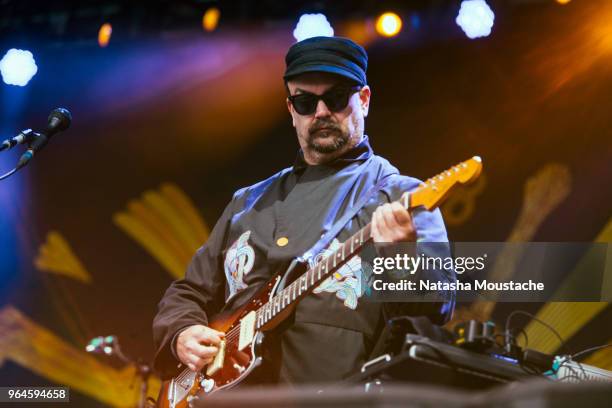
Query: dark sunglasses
x=336, y=99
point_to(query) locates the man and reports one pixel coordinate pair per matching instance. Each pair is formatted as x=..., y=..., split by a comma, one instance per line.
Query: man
x=268, y=224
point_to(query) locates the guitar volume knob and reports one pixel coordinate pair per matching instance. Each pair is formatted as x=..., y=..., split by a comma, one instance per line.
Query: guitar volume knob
x=207, y=384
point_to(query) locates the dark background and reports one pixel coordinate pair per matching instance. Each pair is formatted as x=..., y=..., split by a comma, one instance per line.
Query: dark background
x=167, y=102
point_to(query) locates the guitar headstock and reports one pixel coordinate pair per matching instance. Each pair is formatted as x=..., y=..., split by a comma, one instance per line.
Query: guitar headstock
x=431, y=193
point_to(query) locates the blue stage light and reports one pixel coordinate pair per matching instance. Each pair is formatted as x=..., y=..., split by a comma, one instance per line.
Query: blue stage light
x=475, y=18
x=17, y=67
x=312, y=25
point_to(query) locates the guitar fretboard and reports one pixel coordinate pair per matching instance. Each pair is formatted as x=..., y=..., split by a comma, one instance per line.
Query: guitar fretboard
x=312, y=277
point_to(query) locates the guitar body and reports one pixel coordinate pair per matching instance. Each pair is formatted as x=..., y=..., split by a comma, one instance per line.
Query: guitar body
x=240, y=353
x=236, y=364
x=181, y=390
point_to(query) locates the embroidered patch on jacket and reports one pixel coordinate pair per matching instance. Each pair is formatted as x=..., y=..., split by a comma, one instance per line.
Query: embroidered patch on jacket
x=239, y=261
x=345, y=282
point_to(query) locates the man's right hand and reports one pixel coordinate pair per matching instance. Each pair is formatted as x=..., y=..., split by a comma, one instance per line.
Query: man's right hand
x=197, y=346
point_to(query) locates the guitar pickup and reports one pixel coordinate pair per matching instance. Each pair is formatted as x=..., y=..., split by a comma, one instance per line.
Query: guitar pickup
x=247, y=330
x=217, y=363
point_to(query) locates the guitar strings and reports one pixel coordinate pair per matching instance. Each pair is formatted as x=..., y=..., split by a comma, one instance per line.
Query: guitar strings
x=232, y=335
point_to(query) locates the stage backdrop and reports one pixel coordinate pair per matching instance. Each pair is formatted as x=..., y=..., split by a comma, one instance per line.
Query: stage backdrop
x=100, y=223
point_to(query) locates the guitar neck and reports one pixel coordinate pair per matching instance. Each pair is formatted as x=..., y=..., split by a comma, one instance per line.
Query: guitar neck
x=299, y=288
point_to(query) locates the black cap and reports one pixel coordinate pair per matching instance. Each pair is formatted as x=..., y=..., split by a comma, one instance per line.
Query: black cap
x=335, y=55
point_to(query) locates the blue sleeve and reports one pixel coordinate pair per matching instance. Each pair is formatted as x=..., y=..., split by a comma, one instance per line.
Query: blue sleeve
x=432, y=240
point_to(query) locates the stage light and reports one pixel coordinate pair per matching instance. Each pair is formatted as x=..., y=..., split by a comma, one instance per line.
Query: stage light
x=17, y=67
x=475, y=18
x=388, y=24
x=104, y=34
x=312, y=25
x=210, y=20
x=563, y=1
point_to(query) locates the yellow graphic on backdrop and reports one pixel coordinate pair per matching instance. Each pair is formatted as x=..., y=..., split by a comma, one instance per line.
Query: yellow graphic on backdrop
x=460, y=206
x=41, y=351
x=543, y=192
x=57, y=256
x=167, y=224
x=569, y=317
x=601, y=358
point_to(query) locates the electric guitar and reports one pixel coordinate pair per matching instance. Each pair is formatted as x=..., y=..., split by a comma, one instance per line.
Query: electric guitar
x=240, y=352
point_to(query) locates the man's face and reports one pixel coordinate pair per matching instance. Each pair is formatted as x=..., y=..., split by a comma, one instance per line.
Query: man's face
x=325, y=135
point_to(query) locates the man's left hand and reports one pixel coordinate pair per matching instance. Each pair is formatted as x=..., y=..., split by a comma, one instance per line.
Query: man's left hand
x=392, y=223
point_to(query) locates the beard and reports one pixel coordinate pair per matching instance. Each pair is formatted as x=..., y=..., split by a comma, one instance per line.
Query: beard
x=326, y=137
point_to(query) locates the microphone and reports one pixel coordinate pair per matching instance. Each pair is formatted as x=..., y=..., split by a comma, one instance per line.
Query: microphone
x=59, y=120
x=25, y=136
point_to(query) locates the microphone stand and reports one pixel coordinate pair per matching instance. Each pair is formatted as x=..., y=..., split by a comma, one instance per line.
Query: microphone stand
x=31, y=136
x=58, y=121
x=9, y=174
x=109, y=346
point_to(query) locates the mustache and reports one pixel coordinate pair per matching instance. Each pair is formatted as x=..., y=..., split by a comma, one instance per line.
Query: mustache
x=323, y=124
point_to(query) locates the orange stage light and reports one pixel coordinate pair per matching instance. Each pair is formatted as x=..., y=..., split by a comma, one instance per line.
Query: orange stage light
x=388, y=24
x=104, y=34
x=211, y=19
